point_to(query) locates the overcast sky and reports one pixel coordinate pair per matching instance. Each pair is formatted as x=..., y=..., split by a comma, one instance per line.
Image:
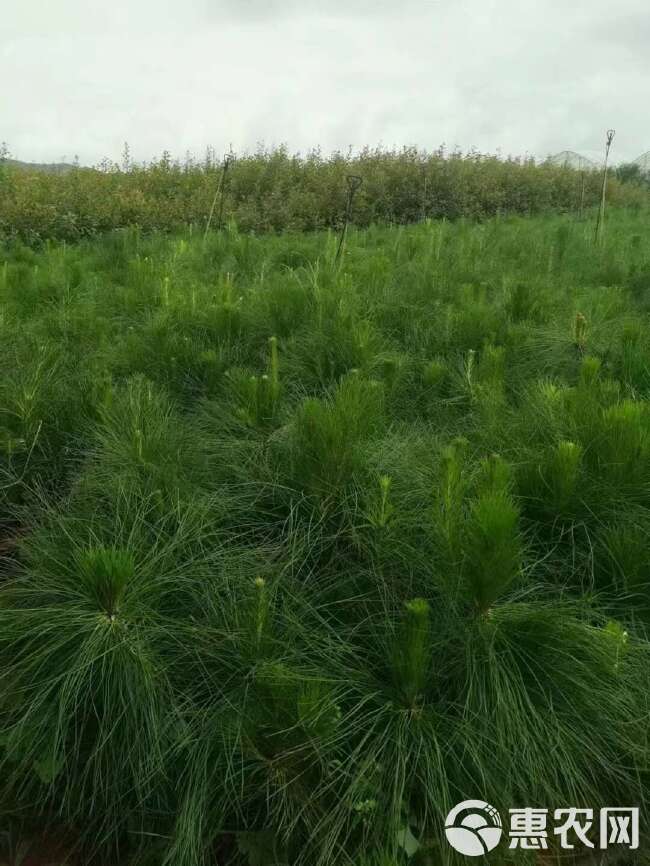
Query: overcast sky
x=515, y=76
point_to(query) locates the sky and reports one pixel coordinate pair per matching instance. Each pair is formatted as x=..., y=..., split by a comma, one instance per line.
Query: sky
x=520, y=77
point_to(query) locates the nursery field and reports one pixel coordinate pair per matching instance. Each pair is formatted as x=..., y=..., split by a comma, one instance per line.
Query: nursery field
x=298, y=553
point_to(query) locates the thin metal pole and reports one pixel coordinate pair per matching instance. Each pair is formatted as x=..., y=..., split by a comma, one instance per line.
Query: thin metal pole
x=219, y=193
x=600, y=220
x=424, y=192
x=354, y=182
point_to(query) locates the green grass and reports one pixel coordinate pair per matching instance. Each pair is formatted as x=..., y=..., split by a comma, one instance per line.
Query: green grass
x=296, y=556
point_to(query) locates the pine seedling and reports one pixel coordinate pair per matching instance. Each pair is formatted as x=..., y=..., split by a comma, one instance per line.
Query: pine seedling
x=318, y=712
x=623, y=445
x=105, y=573
x=563, y=474
x=390, y=369
x=434, y=375
x=258, y=396
x=141, y=443
x=635, y=371
x=469, y=373
x=92, y=707
x=544, y=414
x=520, y=304
x=491, y=367
x=212, y=367
x=492, y=547
x=223, y=315
x=494, y=475
x=586, y=399
x=261, y=611
x=589, y=371
x=164, y=293
x=286, y=302
x=323, y=446
x=584, y=403
x=381, y=509
x=274, y=372
x=411, y=653
x=453, y=487
x=623, y=565
x=278, y=687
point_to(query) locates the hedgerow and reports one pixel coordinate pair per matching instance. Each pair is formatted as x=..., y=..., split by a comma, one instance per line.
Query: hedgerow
x=276, y=191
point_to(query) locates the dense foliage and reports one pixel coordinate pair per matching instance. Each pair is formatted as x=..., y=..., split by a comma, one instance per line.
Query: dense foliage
x=277, y=191
x=297, y=556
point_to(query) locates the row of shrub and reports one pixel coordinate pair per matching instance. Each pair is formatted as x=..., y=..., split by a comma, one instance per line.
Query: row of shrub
x=273, y=191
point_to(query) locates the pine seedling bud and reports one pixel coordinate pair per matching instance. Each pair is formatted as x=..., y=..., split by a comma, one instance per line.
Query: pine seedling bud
x=208, y=357
x=617, y=641
x=382, y=510
x=469, y=372
x=261, y=610
x=274, y=371
x=139, y=443
x=550, y=393
x=165, y=291
x=252, y=411
x=580, y=332
x=412, y=651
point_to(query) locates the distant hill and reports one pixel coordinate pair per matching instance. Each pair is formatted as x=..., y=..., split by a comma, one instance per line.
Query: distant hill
x=48, y=168
x=643, y=162
x=571, y=159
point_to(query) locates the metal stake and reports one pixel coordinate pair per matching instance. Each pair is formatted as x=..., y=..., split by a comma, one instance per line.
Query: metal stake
x=600, y=220
x=354, y=182
x=220, y=193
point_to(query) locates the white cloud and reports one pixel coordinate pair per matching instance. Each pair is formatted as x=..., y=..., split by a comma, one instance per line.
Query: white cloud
x=515, y=75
